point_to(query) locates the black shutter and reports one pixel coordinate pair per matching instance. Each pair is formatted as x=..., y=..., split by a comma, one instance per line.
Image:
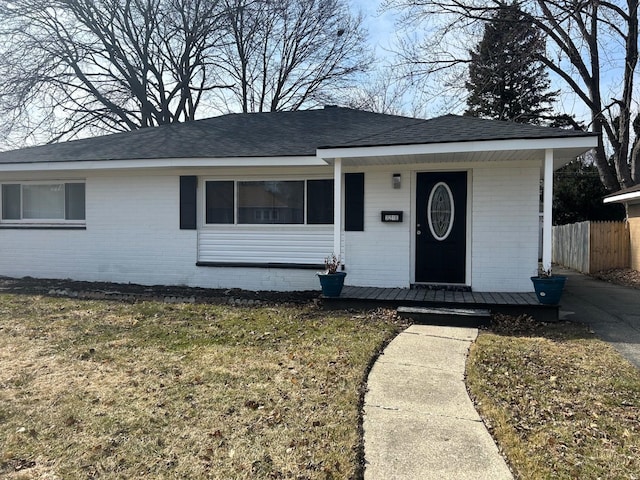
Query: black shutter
x=188, y=201
x=354, y=202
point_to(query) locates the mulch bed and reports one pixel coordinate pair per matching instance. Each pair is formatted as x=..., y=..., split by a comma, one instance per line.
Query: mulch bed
x=177, y=294
x=168, y=294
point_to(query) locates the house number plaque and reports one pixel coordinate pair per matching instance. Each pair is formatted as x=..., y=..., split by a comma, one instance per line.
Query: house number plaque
x=393, y=217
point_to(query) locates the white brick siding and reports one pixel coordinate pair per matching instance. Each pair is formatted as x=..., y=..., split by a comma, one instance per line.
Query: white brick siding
x=503, y=228
x=505, y=223
x=380, y=255
x=132, y=233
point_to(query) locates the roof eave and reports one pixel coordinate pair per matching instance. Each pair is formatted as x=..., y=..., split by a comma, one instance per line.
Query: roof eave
x=280, y=161
x=585, y=142
x=622, y=198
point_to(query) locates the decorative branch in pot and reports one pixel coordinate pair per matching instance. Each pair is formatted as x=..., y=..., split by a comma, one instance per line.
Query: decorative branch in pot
x=331, y=280
x=548, y=287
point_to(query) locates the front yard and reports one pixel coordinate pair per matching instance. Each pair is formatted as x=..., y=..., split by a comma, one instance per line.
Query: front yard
x=109, y=389
x=116, y=390
x=560, y=403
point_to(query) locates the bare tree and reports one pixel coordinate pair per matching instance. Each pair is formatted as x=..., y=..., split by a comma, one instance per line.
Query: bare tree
x=72, y=65
x=291, y=53
x=588, y=43
x=381, y=95
x=386, y=91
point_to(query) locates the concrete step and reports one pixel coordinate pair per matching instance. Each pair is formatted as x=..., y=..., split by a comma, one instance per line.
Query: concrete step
x=461, y=317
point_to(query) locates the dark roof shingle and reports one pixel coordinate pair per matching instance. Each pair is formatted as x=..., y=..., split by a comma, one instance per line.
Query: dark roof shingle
x=454, y=128
x=274, y=134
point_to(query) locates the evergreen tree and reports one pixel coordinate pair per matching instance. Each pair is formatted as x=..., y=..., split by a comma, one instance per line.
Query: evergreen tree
x=578, y=195
x=506, y=79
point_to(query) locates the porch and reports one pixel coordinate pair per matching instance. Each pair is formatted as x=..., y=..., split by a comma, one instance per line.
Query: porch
x=508, y=303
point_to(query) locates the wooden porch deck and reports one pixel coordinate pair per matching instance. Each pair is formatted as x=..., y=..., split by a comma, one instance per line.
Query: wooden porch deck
x=508, y=303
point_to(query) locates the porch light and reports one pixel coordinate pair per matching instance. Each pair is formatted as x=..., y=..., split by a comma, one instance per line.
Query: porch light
x=396, y=180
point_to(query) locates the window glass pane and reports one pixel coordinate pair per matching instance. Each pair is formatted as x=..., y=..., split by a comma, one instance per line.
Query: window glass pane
x=75, y=199
x=271, y=202
x=45, y=202
x=440, y=211
x=219, y=202
x=319, y=202
x=11, y=202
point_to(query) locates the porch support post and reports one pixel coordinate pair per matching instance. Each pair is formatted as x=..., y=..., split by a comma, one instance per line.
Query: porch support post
x=337, y=207
x=547, y=204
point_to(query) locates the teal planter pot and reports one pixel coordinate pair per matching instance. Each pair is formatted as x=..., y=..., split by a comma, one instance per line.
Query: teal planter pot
x=549, y=289
x=332, y=283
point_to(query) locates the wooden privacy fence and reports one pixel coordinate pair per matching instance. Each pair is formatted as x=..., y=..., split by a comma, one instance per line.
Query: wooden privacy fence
x=591, y=246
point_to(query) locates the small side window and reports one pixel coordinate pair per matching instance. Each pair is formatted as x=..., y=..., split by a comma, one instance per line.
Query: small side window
x=74, y=201
x=219, y=202
x=11, y=208
x=319, y=202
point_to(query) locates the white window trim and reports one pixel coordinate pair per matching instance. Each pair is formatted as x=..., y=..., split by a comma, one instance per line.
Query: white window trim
x=39, y=222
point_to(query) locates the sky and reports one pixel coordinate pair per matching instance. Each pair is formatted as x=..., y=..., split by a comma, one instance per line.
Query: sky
x=382, y=32
x=381, y=28
x=379, y=24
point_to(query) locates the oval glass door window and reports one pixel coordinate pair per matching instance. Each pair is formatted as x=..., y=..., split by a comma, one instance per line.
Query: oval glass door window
x=440, y=211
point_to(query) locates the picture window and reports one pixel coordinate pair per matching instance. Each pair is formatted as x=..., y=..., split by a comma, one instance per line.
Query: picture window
x=270, y=202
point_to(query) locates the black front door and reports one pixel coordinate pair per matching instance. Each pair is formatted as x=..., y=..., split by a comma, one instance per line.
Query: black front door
x=441, y=227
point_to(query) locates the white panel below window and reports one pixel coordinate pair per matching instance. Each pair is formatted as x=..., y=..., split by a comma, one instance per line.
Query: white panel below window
x=282, y=244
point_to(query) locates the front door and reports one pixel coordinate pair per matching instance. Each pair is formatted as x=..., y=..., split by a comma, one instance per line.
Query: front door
x=441, y=227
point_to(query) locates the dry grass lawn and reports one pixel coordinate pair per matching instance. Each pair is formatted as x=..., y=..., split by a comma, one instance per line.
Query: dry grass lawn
x=560, y=403
x=99, y=389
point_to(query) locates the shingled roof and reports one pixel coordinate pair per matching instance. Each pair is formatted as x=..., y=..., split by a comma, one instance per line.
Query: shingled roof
x=454, y=128
x=279, y=134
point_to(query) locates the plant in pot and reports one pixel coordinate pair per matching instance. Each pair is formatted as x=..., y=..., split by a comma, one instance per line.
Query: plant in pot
x=548, y=287
x=331, y=280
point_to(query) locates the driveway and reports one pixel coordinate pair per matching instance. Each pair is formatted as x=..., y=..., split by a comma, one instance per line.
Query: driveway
x=612, y=311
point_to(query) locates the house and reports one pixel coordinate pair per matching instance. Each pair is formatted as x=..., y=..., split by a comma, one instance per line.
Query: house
x=630, y=198
x=256, y=201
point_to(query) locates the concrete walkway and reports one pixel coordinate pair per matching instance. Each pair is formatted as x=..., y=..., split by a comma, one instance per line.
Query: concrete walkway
x=612, y=311
x=419, y=422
